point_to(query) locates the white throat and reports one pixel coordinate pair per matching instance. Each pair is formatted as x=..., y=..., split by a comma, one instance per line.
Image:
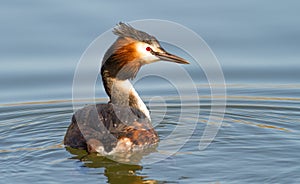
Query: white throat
x=123, y=93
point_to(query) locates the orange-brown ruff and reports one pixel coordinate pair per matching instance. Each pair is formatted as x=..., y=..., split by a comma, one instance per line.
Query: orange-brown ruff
x=123, y=124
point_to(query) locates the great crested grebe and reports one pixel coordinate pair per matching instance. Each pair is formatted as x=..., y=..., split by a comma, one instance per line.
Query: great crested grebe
x=123, y=124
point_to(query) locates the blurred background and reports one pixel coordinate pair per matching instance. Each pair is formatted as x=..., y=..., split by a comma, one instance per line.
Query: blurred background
x=257, y=45
x=42, y=41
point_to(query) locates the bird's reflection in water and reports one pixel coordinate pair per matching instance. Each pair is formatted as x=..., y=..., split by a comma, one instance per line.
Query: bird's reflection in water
x=116, y=172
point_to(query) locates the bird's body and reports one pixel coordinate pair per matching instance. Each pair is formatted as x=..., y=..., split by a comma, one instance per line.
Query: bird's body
x=124, y=124
x=109, y=128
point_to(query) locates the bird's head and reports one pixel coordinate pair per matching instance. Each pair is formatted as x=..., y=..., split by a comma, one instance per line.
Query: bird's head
x=131, y=50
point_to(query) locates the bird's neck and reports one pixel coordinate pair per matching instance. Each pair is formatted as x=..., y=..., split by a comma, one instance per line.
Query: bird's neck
x=121, y=92
x=119, y=65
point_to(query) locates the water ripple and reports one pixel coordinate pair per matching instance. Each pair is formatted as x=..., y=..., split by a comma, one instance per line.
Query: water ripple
x=257, y=131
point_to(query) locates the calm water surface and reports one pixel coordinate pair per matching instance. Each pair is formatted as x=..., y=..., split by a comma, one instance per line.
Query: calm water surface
x=258, y=48
x=259, y=141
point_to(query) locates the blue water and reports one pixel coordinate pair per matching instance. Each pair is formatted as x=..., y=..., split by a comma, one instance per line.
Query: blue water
x=257, y=45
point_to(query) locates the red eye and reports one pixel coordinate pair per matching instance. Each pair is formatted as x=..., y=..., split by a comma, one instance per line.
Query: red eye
x=148, y=49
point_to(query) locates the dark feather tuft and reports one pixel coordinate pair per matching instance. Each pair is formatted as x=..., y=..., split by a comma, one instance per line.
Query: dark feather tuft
x=125, y=30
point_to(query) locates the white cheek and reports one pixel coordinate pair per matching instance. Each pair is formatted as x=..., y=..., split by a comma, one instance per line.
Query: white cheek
x=145, y=55
x=149, y=58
